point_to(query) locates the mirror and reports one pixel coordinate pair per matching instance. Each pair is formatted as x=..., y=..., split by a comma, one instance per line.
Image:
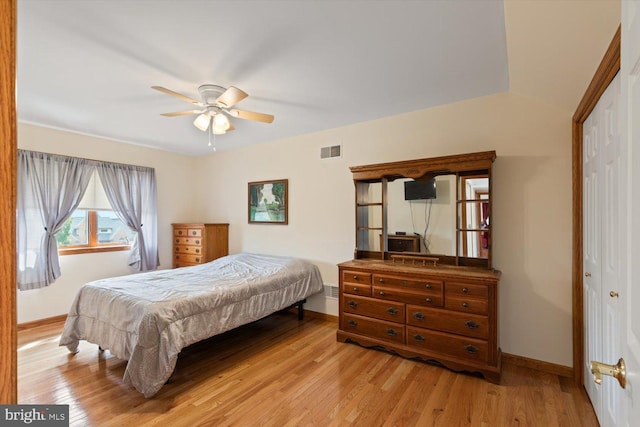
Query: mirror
x=431, y=222
x=437, y=209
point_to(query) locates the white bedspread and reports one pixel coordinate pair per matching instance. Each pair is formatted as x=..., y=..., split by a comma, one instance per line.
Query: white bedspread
x=147, y=318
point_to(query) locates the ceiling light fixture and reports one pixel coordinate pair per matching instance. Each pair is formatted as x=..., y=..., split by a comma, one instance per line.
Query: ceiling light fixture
x=202, y=122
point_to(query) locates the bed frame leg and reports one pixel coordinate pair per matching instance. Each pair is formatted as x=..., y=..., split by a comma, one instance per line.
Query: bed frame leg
x=301, y=309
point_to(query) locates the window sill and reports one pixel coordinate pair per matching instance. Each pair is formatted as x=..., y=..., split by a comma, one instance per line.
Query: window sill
x=93, y=249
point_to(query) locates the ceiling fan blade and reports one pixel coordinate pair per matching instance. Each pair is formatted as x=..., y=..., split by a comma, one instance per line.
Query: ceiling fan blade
x=231, y=127
x=177, y=95
x=250, y=115
x=231, y=97
x=181, y=113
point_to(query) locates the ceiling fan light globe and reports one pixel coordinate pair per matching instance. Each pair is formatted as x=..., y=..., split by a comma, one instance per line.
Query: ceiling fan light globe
x=202, y=122
x=221, y=122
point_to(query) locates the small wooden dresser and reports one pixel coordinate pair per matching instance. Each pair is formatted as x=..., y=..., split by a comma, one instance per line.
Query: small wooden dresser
x=444, y=314
x=198, y=243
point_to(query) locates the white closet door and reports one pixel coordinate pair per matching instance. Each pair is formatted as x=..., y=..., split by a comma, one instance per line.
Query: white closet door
x=604, y=247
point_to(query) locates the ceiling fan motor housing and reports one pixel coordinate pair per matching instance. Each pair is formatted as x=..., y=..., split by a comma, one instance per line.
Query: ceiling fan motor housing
x=210, y=93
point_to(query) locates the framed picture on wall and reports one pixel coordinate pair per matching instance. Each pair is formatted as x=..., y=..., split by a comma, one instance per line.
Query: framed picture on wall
x=268, y=202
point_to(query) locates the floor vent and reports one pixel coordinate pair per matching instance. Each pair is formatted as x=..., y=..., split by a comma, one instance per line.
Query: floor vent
x=331, y=151
x=331, y=291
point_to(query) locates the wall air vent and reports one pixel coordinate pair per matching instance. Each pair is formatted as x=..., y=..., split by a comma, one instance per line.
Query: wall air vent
x=331, y=291
x=331, y=151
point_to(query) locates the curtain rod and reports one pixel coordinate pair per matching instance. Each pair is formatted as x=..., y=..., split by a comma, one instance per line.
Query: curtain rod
x=88, y=159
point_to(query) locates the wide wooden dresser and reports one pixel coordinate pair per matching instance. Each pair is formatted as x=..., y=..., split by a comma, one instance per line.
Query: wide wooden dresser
x=444, y=314
x=198, y=243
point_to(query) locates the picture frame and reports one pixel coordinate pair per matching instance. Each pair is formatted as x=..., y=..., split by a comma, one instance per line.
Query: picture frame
x=268, y=202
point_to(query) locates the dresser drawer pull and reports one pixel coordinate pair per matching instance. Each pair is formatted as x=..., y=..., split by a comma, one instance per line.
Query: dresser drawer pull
x=418, y=337
x=465, y=290
x=353, y=323
x=419, y=316
x=428, y=285
x=177, y=240
x=392, y=311
x=355, y=289
x=392, y=332
x=194, y=232
x=381, y=293
x=197, y=250
x=352, y=304
x=471, y=349
x=198, y=259
x=381, y=280
x=197, y=242
x=177, y=249
x=471, y=324
x=179, y=232
x=355, y=277
x=464, y=304
x=429, y=300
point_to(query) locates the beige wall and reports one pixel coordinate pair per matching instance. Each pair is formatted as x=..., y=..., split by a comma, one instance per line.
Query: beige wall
x=531, y=213
x=175, y=193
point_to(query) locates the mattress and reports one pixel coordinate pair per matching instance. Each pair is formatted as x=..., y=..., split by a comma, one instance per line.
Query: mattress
x=148, y=318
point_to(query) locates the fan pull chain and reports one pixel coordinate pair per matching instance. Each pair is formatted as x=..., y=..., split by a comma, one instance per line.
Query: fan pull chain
x=214, y=137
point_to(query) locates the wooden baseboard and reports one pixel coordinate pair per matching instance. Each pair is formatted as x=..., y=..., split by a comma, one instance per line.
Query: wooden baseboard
x=538, y=365
x=323, y=316
x=41, y=322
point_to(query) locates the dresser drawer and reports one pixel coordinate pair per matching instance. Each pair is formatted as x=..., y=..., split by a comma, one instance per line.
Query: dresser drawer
x=454, y=345
x=356, y=289
x=191, y=241
x=470, y=325
x=183, y=258
x=356, y=277
x=192, y=250
x=178, y=264
x=401, y=282
x=426, y=298
x=385, y=310
x=388, y=331
x=467, y=305
x=466, y=290
x=191, y=232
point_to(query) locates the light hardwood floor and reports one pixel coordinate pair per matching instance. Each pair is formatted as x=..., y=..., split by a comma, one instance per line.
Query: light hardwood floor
x=282, y=372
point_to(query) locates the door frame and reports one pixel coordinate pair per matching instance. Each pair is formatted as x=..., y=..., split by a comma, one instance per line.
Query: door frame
x=608, y=68
x=8, y=160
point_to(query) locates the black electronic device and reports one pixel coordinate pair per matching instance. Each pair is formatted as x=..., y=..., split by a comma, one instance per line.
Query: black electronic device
x=420, y=190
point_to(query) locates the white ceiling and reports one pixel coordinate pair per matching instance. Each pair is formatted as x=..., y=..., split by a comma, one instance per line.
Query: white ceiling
x=87, y=66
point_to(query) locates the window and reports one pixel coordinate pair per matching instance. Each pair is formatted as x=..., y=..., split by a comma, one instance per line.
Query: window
x=94, y=227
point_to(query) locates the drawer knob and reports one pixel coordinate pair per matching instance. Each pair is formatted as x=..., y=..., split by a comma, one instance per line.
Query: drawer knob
x=355, y=289
x=465, y=304
x=429, y=300
x=177, y=240
x=392, y=311
x=465, y=290
x=177, y=249
x=198, y=259
x=418, y=316
x=418, y=337
x=352, y=304
x=197, y=242
x=392, y=332
x=197, y=251
x=353, y=323
x=428, y=285
x=471, y=324
x=194, y=233
x=471, y=349
x=381, y=293
x=381, y=280
x=179, y=232
x=355, y=277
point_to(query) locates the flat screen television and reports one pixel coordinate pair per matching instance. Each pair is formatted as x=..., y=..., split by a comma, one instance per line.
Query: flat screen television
x=420, y=190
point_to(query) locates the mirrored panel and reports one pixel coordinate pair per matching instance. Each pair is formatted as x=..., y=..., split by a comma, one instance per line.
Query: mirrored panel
x=474, y=217
x=421, y=215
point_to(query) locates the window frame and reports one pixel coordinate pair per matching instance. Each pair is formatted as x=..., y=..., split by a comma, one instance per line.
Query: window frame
x=93, y=246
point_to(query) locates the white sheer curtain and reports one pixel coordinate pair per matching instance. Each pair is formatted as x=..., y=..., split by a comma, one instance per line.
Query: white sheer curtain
x=50, y=188
x=131, y=191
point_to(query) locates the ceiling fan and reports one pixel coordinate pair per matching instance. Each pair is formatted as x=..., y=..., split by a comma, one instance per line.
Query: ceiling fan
x=215, y=106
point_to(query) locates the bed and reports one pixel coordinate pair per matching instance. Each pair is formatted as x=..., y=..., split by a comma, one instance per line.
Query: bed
x=148, y=318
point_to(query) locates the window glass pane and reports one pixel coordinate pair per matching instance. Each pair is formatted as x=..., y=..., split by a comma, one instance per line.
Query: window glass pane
x=75, y=230
x=113, y=231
